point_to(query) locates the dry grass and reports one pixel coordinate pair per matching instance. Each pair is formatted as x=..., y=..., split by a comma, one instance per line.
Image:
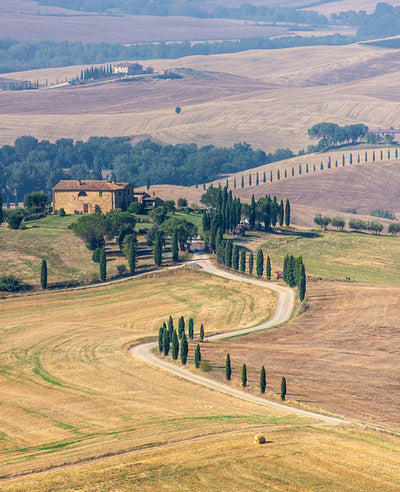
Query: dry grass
x=338, y=356
x=70, y=390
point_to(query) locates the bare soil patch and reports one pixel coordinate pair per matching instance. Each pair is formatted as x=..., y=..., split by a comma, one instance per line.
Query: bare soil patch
x=340, y=355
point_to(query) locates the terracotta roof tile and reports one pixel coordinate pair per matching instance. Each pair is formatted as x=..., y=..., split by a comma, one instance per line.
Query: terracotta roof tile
x=88, y=185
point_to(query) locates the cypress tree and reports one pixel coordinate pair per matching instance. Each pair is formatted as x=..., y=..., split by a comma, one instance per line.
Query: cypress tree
x=278, y=175
x=43, y=274
x=175, y=248
x=283, y=389
x=321, y=166
x=263, y=380
x=184, y=349
x=281, y=213
x=158, y=248
x=381, y=154
x=307, y=168
x=1, y=210
x=234, y=183
x=170, y=326
x=228, y=369
x=336, y=164
x=160, y=339
x=190, y=328
x=302, y=283
x=251, y=259
x=287, y=213
x=259, y=262
x=252, y=214
x=103, y=265
x=174, y=345
x=228, y=254
x=244, y=375
x=242, y=260
x=197, y=357
x=166, y=342
x=292, y=171
x=268, y=268
x=358, y=159
x=181, y=326
x=235, y=257
x=201, y=332
x=343, y=160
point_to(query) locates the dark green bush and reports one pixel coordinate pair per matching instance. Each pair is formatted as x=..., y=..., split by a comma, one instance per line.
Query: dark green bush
x=10, y=283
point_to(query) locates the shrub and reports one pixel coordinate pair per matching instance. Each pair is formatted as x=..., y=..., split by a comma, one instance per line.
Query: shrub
x=15, y=218
x=61, y=212
x=96, y=255
x=10, y=283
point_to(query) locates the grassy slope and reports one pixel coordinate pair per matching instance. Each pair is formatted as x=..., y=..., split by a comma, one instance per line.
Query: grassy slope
x=365, y=258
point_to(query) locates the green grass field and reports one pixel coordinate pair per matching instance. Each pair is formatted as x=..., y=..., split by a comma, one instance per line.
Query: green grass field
x=364, y=258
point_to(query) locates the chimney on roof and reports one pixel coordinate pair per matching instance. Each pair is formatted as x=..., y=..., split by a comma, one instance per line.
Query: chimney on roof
x=79, y=182
x=113, y=181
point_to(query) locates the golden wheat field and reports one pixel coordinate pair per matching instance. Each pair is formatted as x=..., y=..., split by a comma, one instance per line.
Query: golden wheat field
x=268, y=98
x=79, y=413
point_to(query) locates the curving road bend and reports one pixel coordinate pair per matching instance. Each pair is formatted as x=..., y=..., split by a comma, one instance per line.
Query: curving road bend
x=282, y=313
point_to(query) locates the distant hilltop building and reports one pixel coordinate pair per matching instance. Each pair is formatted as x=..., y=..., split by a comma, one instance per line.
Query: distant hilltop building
x=80, y=196
x=132, y=69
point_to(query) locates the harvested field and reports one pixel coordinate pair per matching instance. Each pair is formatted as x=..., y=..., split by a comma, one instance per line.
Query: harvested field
x=70, y=389
x=339, y=355
x=267, y=98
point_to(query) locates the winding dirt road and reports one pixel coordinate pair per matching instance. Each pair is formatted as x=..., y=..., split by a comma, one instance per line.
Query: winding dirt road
x=282, y=313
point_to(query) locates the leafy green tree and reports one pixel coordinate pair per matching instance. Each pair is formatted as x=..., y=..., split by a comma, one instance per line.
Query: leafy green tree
x=242, y=260
x=43, y=274
x=323, y=222
x=92, y=229
x=283, y=388
x=263, y=380
x=158, y=248
x=185, y=230
x=166, y=342
x=158, y=215
x=160, y=339
x=96, y=255
x=175, y=247
x=251, y=260
x=338, y=222
x=209, y=198
x=259, y=262
x=184, y=349
x=228, y=368
x=15, y=218
x=394, y=228
x=268, y=268
x=197, y=357
x=174, y=346
x=244, y=375
x=103, y=265
x=191, y=328
x=287, y=213
x=182, y=203
x=136, y=208
x=201, y=332
x=36, y=199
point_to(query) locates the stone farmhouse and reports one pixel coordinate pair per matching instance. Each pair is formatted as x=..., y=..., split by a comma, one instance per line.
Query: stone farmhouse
x=79, y=196
x=131, y=69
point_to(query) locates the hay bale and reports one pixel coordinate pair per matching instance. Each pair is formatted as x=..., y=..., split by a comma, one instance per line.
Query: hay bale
x=259, y=439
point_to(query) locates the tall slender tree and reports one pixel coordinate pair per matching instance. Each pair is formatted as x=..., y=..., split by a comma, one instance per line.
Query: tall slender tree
x=43, y=274
x=181, y=326
x=1, y=210
x=228, y=253
x=103, y=265
x=235, y=257
x=252, y=215
x=242, y=260
x=174, y=345
x=268, y=268
x=166, y=342
x=191, y=328
x=251, y=261
x=175, y=247
x=244, y=375
x=228, y=368
x=158, y=248
x=287, y=213
x=260, y=262
x=197, y=357
x=283, y=389
x=263, y=380
x=160, y=339
x=201, y=332
x=184, y=349
x=170, y=326
x=302, y=283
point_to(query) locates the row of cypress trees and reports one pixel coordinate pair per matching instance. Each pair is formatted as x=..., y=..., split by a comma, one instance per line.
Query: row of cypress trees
x=263, y=379
x=294, y=274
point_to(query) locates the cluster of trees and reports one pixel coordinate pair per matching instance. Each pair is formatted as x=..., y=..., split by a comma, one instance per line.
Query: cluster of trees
x=175, y=340
x=267, y=210
x=96, y=72
x=331, y=134
x=35, y=207
x=31, y=165
x=355, y=224
x=294, y=274
x=263, y=378
x=30, y=55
